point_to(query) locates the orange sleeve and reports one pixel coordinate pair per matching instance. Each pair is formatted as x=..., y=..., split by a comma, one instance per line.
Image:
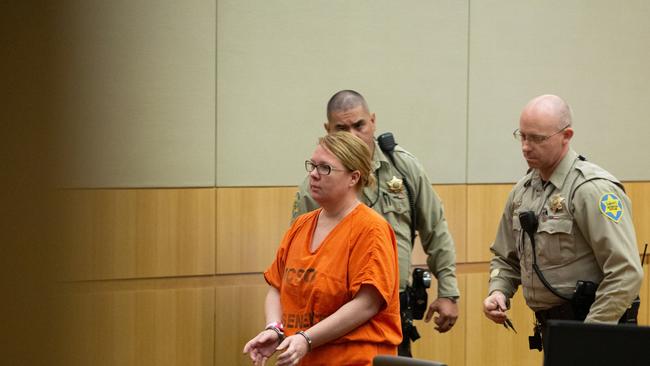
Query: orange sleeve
x=373, y=261
x=273, y=275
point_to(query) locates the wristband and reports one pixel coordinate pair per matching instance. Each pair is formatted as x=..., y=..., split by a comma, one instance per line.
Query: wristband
x=277, y=328
x=307, y=338
x=275, y=325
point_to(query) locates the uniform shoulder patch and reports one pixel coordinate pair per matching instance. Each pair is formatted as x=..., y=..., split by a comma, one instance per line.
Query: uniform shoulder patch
x=610, y=206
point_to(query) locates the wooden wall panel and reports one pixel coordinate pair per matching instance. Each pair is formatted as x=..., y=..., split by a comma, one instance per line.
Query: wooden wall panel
x=134, y=233
x=639, y=193
x=485, y=205
x=141, y=327
x=138, y=233
x=454, y=199
x=444, y=347
x=488, y=343
x=250, y=226
x=239, y=318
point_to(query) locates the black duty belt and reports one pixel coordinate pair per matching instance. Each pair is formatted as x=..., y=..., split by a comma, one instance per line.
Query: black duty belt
x=563, y=312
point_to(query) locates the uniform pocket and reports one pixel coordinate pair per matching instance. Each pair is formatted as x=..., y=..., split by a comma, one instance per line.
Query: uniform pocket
x=555, y=241
x=396, y=203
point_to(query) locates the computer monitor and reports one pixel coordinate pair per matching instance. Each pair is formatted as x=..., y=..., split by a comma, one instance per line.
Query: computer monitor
x=574, y=343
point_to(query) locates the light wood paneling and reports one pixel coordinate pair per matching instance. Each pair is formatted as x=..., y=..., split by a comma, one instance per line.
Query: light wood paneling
x=130, y=233
x=454, y=200
x=139, y=328
x=485, y=205
x=239, y=318
x=444, y=347
x=169, y=321
x=488, y=343
x=639, y=193
x=268, y=210
x=250, y=226
x=167, y=283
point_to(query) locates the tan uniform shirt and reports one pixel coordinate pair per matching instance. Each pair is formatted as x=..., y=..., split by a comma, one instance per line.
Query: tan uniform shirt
x=585, y=233
x=392, y=203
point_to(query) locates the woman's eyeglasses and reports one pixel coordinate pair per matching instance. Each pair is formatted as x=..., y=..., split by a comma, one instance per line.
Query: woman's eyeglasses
x=322, y=169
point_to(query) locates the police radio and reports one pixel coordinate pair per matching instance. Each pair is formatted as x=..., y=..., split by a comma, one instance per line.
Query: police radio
x=413, y=303
x=418, y=297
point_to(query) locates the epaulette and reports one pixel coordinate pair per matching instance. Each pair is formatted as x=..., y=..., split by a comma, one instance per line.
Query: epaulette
x=401, y=150
x=592, y=171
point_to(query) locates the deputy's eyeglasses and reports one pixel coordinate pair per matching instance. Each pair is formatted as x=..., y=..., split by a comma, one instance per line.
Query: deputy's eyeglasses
x=536, y=139
x=322, y=169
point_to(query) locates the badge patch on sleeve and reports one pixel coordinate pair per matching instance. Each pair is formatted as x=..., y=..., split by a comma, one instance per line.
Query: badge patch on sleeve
x=611, y=207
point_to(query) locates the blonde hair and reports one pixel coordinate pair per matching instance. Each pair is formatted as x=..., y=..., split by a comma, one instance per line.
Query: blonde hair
x=353, y=153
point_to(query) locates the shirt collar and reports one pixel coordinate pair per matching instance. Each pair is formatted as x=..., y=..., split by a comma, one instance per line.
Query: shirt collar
x=561, y=171
x=378, y=157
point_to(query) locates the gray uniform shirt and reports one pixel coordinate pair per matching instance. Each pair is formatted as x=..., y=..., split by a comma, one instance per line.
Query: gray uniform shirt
x=391, y=201
x=585, y=233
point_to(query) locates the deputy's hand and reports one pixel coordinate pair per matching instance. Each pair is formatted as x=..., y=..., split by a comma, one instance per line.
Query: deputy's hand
x=447, y=314
x=261, y=347
x=295, y=347
x=494, y=307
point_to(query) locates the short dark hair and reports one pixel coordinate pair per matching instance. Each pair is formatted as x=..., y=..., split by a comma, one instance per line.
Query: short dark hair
x=345, y=100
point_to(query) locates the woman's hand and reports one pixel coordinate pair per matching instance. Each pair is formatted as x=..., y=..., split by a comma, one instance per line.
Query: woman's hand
x=262, y=346
x=296, y=348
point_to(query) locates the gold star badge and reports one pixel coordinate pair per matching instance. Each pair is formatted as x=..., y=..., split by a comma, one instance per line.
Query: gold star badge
x=557, y=203
x=395, y=185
